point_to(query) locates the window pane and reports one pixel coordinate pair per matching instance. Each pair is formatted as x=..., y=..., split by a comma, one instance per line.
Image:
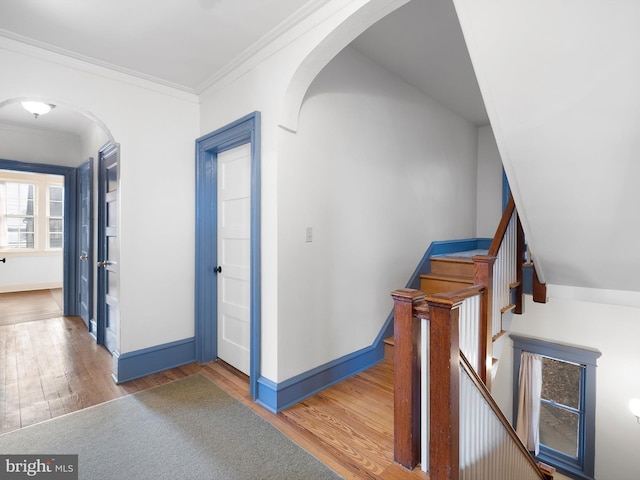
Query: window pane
x=561, y=382
x=20, y=199
x=55, y=240
x=55, y=194
x=55, y=225
x=55, y=209
x=559, y=429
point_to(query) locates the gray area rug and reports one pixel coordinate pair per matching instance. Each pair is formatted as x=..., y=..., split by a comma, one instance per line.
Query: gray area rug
x=187, y=429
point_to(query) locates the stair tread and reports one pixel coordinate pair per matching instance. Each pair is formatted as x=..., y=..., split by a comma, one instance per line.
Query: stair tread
x=465, y=254
x=444, y=276
x=452, y=259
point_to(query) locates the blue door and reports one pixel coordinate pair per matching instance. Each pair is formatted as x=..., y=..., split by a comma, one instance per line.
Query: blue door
x=108, y=312
x=85, y=245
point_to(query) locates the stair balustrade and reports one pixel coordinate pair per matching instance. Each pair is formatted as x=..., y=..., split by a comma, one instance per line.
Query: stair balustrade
x=443, y=359
x=431, y=331
x=505, y=258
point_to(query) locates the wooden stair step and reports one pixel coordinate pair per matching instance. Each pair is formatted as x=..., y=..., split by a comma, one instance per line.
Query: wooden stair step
x=458, y=266
x=507, y=308
x=435, y=283
x=389, y=341
x=499, y=335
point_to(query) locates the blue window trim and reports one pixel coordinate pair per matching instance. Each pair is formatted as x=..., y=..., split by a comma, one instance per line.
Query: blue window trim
x=69, y=250
x=584, y=467
x=242, y=131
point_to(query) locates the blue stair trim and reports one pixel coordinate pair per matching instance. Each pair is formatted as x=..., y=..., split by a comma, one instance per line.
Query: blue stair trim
x=279, y=396
x=137, y=364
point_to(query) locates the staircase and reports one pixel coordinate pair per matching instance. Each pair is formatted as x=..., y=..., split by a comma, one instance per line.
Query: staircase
x=450, y=272
x=445, y=337
x=455, y=271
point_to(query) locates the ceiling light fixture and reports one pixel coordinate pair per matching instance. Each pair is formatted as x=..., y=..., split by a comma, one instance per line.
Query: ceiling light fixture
x=38, y=108
x=634, y=406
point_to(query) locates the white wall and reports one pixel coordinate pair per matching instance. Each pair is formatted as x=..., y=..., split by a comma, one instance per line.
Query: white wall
x=614, y=331
x=36, y=271
x=273, y=82
x=489, y=203
x=39, y=146
x=379, y=171
x=155, y=127
x=560, y=84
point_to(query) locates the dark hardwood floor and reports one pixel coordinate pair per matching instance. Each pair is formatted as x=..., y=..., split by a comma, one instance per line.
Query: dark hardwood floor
x=53, y=366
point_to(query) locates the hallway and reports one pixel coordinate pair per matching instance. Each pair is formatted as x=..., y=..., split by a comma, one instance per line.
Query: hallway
x=52, y=367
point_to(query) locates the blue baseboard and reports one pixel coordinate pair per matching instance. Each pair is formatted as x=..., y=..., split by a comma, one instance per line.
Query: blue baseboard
x=277, y=397
x=132, y=365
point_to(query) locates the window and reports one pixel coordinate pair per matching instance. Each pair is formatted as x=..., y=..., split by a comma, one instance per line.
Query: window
x=567, y=404
x=31, y=211
x=19, y=215
x=56, y=219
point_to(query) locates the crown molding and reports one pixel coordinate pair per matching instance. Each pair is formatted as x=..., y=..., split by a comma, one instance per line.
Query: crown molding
x=251, y=56
x=34, y=48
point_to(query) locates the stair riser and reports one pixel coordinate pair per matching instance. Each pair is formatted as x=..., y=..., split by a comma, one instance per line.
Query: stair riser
x=431, y=285
x=452, y=267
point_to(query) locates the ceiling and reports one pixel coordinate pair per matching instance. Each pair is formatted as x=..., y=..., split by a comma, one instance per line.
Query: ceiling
x=189, y=47
x=428, y=31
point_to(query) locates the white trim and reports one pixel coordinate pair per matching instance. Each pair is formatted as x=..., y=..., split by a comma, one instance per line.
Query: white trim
x=594, y=295
x=26, y=46
x=250, y=56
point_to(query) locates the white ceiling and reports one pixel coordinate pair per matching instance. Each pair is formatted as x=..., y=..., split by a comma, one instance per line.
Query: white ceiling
x=181, y=43
x=422, y=43
x=190, y=46
x=59, y=120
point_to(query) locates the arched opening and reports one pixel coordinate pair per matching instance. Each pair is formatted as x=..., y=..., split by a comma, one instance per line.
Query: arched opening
x=49, y=154
x=56, y=143
x=382, y=163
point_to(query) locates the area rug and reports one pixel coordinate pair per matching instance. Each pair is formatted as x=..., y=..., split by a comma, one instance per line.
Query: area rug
x=187, y=429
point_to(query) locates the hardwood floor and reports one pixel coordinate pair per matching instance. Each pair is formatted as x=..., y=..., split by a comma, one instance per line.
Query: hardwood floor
x=53, y=367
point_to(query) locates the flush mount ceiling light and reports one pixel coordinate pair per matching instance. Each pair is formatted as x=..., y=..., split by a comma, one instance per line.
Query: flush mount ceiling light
x=38, y=108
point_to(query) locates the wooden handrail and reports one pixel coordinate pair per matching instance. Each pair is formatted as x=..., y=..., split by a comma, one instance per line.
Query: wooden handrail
x=502, y=228
x=464, y=363
x=456, y=296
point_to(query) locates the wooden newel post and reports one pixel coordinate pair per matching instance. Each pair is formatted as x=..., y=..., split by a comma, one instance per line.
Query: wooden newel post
x=406, y=399
x=483, y=275
x=444, y=405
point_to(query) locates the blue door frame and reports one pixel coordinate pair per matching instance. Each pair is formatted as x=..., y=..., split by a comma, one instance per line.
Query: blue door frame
x=70, y=247
x=244, y=130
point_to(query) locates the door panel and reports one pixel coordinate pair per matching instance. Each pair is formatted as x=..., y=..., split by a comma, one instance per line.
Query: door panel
x=108, y=250
x=85, y=245
x=234, y=251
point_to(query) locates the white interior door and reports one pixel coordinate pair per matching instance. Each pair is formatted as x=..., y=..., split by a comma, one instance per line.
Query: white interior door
x=234, y=249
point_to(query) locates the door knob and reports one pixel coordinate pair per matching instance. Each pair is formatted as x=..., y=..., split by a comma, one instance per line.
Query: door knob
x=104, y=263
x=83, y=257
x=217, y=269
x=3, y=260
